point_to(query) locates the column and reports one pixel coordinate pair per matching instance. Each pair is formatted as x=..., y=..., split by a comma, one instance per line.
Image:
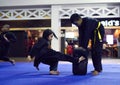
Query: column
x=63, y=41
x=55, y=26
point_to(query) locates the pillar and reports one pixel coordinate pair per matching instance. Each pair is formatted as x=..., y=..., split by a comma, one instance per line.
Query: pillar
x=55, y=26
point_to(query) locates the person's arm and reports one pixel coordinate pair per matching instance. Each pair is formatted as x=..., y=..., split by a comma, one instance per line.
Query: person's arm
x=37, y=47
x=10, y=37
x=4, y=36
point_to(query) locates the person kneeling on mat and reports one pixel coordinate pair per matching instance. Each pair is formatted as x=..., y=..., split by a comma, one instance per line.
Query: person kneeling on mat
x=81, y=67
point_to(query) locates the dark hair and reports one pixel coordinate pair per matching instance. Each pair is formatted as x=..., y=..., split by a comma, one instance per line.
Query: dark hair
x=6, y=26
x=74, y=17
x=48, y=32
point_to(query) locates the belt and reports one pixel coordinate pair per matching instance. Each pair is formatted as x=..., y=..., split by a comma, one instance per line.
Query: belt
x=99, y=35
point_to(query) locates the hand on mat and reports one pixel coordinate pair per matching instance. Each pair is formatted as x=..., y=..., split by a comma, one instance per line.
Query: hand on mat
x=81, y=59
x=29, y=58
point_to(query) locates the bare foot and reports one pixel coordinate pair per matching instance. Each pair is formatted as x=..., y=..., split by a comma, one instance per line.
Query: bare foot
x=54, y=72
x=12, y=62
x=95, y=72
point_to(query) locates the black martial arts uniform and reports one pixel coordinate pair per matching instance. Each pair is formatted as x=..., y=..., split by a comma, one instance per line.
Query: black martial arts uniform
x=5, y=45
x=43, y=53
x=94, y=30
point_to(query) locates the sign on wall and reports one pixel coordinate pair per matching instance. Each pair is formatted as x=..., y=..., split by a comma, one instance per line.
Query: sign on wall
x=107, y=22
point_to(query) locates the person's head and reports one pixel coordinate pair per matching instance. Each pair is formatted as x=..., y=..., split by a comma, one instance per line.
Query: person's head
x=48, y=34
x=76, y=19
x=5, y=28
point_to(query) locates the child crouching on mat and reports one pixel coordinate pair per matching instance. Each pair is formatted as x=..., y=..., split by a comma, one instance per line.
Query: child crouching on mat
x=43, y=52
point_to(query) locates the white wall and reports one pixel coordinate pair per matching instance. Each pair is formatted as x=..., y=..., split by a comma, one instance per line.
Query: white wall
x=50, y=2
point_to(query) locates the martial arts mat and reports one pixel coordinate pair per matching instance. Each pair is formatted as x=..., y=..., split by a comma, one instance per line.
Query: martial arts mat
x=23, y=73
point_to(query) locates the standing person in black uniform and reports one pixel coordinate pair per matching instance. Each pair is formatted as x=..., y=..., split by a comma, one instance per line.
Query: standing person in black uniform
x=6, y=38
x=90, y=28
x=43, y=52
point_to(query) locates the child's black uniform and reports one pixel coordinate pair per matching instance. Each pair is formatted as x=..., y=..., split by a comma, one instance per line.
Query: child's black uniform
x=46, y=55
x=43, y=52
x=4, y=44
